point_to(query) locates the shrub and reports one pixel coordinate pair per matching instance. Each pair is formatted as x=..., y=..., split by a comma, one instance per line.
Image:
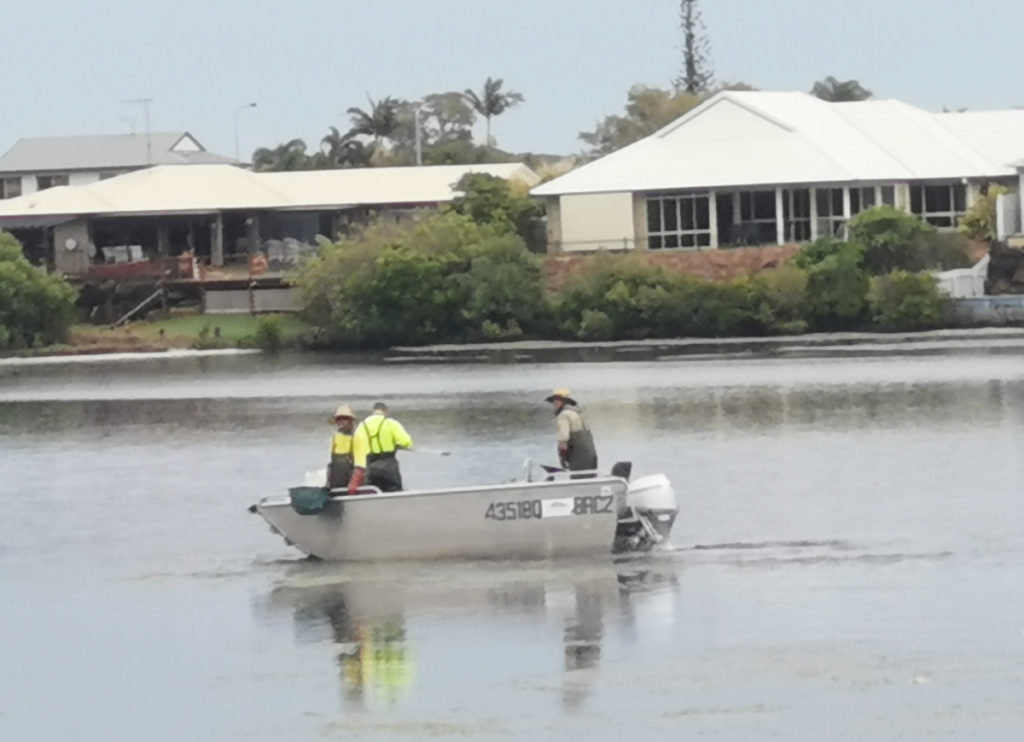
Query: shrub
x=269, y=336
x=939, y=251
x=891, y=239
x=837, y=289
x=631, y=294
x=35, y=308
x=440, y=277
x=817, y=251
x=778, y=299
x=595, y=325
x=979, y=222
x=490, y=200
x=906, y=301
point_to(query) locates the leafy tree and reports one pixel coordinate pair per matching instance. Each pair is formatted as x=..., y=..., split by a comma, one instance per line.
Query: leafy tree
x=837, y=284
x=288, y=156
x=440, y=276
x=448, y=117
x=493, y=201
x=343, y=150
x=491, y=102
x=379, y=122
x=838, y=91
x=647, y=110
x=35, y=308
x=891, y=239
x=906, y=302
x=979, y=223
x=697, y=76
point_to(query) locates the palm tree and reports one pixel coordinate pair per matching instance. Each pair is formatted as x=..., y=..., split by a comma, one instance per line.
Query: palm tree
x=343, y=150
x=839, y=91
x=492, y=102
x=380, y=121
x=288, y=156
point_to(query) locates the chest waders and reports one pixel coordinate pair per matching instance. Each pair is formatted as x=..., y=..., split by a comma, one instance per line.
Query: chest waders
x=382, y=469
x=581, y=453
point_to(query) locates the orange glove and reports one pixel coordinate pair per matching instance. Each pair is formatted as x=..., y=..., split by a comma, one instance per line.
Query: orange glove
x=357, y=480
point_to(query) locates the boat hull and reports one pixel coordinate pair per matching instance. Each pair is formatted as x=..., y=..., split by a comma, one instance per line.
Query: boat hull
x=531, y=520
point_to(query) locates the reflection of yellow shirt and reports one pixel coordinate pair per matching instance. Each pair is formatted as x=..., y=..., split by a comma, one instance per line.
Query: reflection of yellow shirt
x=383, y=662
x=378, y=434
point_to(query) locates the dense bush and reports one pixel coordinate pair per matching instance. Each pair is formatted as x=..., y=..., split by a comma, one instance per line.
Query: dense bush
x=837, y=284
x=888, y=236
x=490, y=200
x=440, y=277
x=626, y=297
x=269, y=335
x=979, y=223
x=895, y=240
x=35, y=308
x=906, y=301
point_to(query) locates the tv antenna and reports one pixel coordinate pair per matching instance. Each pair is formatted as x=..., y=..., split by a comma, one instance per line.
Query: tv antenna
x=145, y=103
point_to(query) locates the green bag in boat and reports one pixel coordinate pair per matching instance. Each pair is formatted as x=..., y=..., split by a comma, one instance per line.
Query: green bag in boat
x=309, y=500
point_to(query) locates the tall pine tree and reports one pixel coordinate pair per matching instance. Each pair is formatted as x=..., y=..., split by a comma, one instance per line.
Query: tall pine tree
x=697, y=76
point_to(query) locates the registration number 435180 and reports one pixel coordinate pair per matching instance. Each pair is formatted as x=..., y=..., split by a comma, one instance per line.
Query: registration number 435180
x=528, y=509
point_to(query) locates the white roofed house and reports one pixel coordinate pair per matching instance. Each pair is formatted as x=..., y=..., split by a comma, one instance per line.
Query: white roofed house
x=139, y=224
x=37, y=163
x=760, y=168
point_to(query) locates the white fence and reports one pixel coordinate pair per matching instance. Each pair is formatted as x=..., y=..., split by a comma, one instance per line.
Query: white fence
x=964, y=283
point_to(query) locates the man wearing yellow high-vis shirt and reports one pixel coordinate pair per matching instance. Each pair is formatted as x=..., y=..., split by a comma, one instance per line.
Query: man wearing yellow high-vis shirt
x=374, y=447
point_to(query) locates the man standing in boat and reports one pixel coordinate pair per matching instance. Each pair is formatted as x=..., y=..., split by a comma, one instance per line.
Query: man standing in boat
x=375, y=445
x=340, y=467
x=576, y=451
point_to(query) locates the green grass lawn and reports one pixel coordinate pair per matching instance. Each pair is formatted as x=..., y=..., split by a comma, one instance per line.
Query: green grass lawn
x=233, y=327
x=184, y=331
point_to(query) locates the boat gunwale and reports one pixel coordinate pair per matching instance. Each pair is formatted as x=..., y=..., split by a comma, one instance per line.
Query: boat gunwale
x=279, y=501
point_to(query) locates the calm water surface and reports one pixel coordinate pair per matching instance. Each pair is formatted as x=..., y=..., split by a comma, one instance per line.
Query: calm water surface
x=848, y=564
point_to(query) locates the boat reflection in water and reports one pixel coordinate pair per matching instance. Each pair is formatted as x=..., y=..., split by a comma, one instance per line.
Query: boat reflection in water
x=373, y=620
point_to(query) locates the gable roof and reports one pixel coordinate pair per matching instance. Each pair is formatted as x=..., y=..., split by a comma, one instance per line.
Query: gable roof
x=765, y=138
x=206, y=189
x=105, y=151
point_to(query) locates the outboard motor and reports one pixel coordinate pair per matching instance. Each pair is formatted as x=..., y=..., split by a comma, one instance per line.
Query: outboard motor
x=650, y=511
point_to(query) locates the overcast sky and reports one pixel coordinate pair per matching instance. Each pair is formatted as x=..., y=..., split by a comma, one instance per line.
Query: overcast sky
x=69, y=64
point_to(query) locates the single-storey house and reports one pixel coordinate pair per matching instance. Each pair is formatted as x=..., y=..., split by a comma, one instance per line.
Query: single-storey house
x=756, y=168
x=37, y=163
x=139, y=223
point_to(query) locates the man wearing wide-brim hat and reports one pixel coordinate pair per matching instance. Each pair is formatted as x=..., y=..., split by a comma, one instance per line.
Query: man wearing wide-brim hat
x=339, y=470
x=576, y=451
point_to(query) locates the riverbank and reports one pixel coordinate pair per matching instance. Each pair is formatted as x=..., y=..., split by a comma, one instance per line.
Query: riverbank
x=200, y=332
x=191, y=331
x=526, y=351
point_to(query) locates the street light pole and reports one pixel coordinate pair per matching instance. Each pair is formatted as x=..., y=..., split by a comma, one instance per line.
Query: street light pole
x=237, y=112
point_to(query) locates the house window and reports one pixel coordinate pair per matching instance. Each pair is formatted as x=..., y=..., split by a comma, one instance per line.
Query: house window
x=678, y=222
x=831, y=220
x=796, y=211
x=939, y=205
x=754, y=222
x=862, y=199
x=10, y=187
x=50, y=181
x=887, y=195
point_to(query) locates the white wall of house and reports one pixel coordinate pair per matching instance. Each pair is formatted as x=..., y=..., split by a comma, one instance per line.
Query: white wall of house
x=83, y=178
x=28, y=184
x=596, y=221
x=1020, y=194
